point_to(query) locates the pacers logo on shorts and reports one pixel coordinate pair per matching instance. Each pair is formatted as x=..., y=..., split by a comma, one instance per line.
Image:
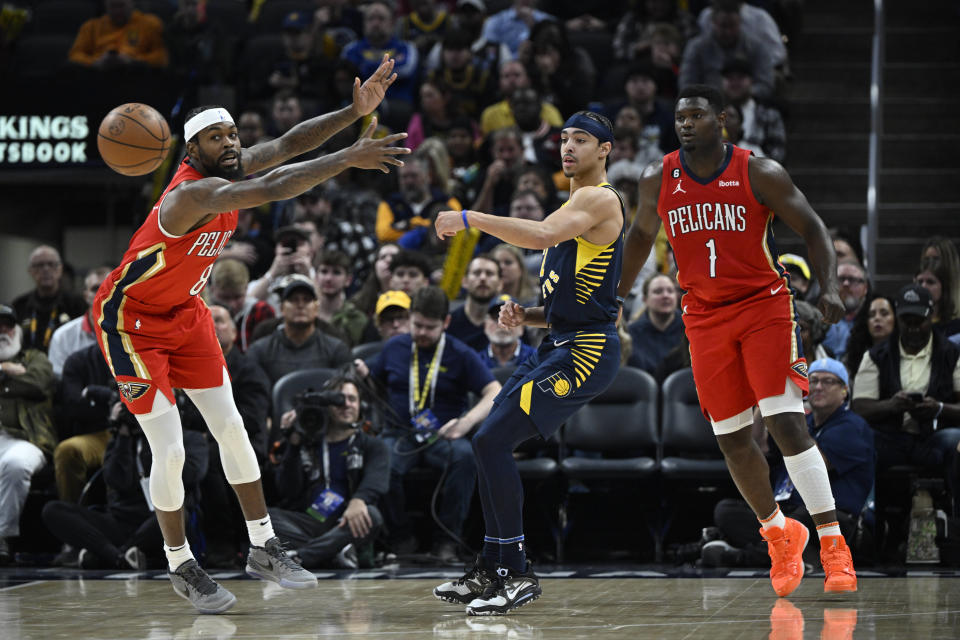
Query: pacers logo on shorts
x=558, y=384
x=132, y=390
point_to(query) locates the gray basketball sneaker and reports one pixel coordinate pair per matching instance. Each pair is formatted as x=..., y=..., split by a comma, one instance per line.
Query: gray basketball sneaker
x=191, y=582
x=468, y=587
x=271, y=562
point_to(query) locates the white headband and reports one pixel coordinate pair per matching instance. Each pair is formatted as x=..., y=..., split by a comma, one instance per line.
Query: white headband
x=203, y=120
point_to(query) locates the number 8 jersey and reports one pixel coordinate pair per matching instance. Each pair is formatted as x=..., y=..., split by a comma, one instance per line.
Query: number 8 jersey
x=722, y=237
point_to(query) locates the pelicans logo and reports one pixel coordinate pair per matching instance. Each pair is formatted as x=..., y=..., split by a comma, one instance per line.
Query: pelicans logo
x=800, y=367
x=558, y=384
x=132, y=390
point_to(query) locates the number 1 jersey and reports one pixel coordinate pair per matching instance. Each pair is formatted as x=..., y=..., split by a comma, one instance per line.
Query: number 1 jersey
x=160, y=271
x=722, y=237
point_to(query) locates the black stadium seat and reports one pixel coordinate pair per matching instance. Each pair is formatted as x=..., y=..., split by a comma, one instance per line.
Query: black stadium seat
x=287, y=387
x=690, y=450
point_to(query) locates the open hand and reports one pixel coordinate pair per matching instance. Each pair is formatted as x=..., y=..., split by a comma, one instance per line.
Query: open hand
x=376, y=153
x=367, y=96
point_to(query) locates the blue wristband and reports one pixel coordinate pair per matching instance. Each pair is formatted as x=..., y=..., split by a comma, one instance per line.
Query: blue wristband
x=463, y=216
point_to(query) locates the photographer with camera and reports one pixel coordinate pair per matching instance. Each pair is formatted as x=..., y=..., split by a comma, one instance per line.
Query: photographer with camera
x=113, y=535
x=332, y=473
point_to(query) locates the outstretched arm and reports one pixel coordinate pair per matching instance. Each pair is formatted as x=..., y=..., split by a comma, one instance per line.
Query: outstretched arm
x=774, y=188
x=312, y=133
x=643, y=231
x=592, y=212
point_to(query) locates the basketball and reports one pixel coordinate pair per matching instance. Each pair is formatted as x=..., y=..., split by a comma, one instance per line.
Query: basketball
x=133, y=139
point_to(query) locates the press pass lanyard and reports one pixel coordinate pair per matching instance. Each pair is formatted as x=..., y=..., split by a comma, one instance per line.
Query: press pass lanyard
x=418, y=396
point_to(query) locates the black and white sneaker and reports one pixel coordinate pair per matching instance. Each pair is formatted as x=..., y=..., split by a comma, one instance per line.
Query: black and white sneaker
x=511, y=590
x=468, y=587
x=191, y=582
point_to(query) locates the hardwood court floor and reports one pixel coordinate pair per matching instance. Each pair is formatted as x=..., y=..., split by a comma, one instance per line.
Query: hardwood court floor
x=120, y=607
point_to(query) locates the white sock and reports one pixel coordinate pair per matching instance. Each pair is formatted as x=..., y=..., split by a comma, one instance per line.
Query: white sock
x=808, y=472
x=260, y=530
x=828, y=529
x=775, y=519
x=176, y=556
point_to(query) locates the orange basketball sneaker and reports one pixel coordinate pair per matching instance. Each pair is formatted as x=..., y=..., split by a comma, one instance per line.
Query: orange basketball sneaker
x=837, y=565
x=785, y=547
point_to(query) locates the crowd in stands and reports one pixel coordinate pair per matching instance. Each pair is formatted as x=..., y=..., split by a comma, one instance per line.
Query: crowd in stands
x=349, y=276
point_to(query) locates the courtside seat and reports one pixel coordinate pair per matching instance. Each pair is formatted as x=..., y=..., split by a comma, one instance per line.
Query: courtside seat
x=367, y=350
x=690, y=449
x=621, y=425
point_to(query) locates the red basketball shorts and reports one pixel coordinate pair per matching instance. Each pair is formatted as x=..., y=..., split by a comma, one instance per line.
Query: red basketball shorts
x=743, y=352
x=150, y=352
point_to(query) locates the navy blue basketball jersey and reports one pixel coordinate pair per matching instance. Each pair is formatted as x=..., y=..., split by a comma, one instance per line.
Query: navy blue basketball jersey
x=579, y=279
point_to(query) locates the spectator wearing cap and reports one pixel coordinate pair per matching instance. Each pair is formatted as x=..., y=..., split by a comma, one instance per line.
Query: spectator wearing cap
x=466, y=76
x=847, y=444
x=379, y=39
x=293, y=253
x=483, y=283
x=499, y=115
x=660, y=327
x=512, y=26
x=411, y=206
x=656, y=118
x=799, y=272
x=705, y=56
x=908, y=389
x=333, y=278
x=393, y=314
x=505, y=347
x=425, y=25
x=49, y=305
x=27, y=434
x=762, y=125
x=297, y=344
x=854, y=288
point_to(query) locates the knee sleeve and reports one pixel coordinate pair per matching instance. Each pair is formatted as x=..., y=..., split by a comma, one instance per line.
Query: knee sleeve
x=165, y=435
x=219, y=411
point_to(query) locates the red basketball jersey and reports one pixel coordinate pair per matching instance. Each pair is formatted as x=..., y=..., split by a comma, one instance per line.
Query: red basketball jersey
x=161, y=271
x=721, y=236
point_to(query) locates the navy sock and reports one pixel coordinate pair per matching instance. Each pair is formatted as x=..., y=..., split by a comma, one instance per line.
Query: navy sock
x=512, y=554
x=490, y=555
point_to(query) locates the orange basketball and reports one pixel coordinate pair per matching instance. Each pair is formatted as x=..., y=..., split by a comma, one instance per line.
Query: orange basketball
x=133, y=139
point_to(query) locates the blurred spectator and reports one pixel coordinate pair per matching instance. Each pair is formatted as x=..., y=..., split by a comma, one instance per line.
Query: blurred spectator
x=513, y=76
x=78, y=333
x=297, y=344
x=464, y=159
x=762, y=125
x=378, y=39
x=934, y=276
x=378, y=281
x=294, y=253
x=512, y=26
x=435, y=116
x=538, y=179
x=562, y=73
x=442, y=371
x=411, y=206
x=333, y=278
x=119, y=38
x=469, y=17
x=660, y=327
x=331, y=475
x=200, y=52
x=435, y=151
x=228, y=287
x=847, y=246
x=946, y=250
x=468, y=79
x=847, y=445
x=854, y=288
x=286, y=111
x=343, y=217
x=516, y=280
x=874, y=323
x=409, y=272
x=49, y=305
x=625, y=176
x=666, y=51
x=26, y=422
x=482, y=282
x=304, y=67
x=425, y=25
x=812, y=330
x=499, y=178
x=251, y=128
x=540, y=140
x=504, y=346
x=755, y=21
x=706, y=55
x=525, y=204
x=908, y=389
x=624, y=146
x=799, y=272
x=656, y=129
x=393, y=314
x=633, y=38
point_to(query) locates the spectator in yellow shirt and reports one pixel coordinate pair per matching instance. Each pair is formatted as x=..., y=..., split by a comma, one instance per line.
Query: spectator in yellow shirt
x=120, y=37
x=513, y=76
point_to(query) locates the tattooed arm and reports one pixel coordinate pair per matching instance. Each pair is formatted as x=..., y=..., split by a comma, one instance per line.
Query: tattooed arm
x=312, y=133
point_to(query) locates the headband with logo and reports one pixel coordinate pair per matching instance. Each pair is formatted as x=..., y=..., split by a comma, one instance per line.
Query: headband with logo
x=591, y=126
x=204, y=119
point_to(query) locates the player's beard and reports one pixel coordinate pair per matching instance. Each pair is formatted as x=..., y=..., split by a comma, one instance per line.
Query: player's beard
x=214, y=169
x=10, y=345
